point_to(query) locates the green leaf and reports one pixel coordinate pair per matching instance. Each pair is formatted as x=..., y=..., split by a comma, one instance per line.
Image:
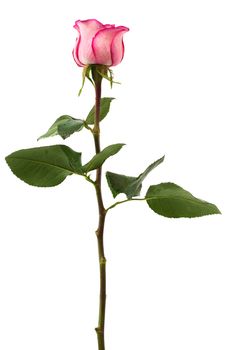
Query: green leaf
x=100, y=158
x=143, y=175
x=172, y=201
x=122, y=184
x=69, y=127
x=129, y=185
x=64, y=126
x=104, y=109
x=45, y=166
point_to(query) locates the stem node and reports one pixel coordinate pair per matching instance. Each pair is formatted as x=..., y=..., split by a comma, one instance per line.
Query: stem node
x=103, y=261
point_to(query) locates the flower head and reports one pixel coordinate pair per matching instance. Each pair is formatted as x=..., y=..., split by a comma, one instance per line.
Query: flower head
x=98, y=43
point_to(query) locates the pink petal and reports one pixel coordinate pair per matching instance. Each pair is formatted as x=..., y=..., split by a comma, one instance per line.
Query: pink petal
x=87, y=30
x=108, y=46
x=117, y=46
x=75, y=52
x=88, y=23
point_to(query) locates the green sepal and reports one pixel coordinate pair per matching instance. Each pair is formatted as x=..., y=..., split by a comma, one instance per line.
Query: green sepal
x=129, y=185
x=104, y=109
x=97, y=161
x=172, y=201
x=64, y=126
x=85, y=74
x=108, y=76
x=45, y=166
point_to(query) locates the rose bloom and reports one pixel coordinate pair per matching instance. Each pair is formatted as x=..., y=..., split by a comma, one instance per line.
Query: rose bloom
x=98, y=43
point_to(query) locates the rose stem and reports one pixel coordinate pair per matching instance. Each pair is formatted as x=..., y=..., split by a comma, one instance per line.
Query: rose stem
x=102, y=213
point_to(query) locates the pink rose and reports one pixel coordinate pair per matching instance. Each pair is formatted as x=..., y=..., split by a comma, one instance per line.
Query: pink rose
x=98, y=43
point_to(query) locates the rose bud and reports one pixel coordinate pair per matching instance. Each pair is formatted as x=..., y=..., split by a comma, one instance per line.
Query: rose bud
x=98, y=43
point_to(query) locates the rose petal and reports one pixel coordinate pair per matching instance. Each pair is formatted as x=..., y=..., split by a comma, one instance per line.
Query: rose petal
x=87, y=30
x=117, y=46
x=76, y=50
x=106, y=50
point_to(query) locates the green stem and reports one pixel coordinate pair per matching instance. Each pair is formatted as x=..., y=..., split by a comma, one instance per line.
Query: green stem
x=87, y=126
x=124, y=201
x=102, y=213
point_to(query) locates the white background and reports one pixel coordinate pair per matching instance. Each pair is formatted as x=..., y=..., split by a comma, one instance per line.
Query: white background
x=169, y=281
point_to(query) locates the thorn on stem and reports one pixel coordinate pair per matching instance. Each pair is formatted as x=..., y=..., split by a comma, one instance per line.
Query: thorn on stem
x=98, y=330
